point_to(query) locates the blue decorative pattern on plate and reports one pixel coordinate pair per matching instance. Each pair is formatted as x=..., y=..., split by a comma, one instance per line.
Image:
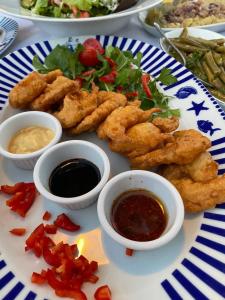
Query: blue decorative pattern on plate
x=192, y=266
x=9, y=29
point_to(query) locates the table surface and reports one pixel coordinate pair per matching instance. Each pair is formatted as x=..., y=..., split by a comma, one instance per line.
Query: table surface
x=29, y=34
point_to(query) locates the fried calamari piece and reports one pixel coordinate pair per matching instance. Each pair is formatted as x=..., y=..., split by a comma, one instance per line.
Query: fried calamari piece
x=27, y=90
x=76, y=106
x=188, y=144
x=199, y=196
x=122, y=118
x=92, y=121
x=51, y=76
x=54, y=93
x=166, y=124
x=140, y=139
x=202, y=169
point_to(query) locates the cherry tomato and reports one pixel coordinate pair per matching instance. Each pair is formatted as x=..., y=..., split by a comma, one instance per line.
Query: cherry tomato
x=93, y=43
x=89, y=57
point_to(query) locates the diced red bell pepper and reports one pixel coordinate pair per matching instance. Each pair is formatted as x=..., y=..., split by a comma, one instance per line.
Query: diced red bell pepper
x=74, y=294
x=129, y=252
x=64, y=222
x=103, y=293
x=145, y=78
x=15, y=199
x=109, y=78
x=51, y=258
x=132, y=94
x=12, y=189
x=38, y=278
x=111, y=62
x=54, y=282
x=35, y=236
x=18, y=231
x=47, y=216
x=50, y=228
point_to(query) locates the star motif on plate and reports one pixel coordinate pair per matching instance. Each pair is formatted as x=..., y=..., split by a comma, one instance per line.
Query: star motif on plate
x=198, y=107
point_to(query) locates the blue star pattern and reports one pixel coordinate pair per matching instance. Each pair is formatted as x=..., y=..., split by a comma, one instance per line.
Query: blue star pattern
x=198, y=107
x=207, y=126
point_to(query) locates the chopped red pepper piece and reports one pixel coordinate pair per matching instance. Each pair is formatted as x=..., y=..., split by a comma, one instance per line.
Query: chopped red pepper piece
x=51, y=258
x=103, y=293
x=18, y=231
x=109, y=78
x=38, y=278
x=50, y=228
x=145, y=78
x=64, y=222
x=47, y=216
x=129, y=252
x=35, y=236
x=23, y=197
x=12, y=189
x=74, y=294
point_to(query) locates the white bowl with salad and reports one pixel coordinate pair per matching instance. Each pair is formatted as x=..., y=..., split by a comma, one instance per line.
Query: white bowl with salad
x=65, y=17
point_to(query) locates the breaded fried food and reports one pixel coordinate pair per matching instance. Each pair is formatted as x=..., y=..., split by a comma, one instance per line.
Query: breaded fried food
x=202, y=169
x=122, y=118
x=199, y=196
x=92, y=121
x=187, y=145
x=51, y=76
x=140, y=139
x=166, y=124
x=27, y=90
x=76, y=106
x=54, y=93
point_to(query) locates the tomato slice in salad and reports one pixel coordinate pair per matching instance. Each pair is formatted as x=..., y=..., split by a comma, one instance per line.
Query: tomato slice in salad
x=93, y=43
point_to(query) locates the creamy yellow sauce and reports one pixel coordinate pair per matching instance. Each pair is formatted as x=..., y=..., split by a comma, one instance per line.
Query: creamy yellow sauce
x=30, y=139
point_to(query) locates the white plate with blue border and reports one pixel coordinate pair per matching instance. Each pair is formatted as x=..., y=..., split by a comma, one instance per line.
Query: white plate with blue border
x=191, y=266
x=8, y=32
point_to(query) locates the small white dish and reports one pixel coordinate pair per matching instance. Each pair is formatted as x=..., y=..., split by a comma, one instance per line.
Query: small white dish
x=79, y=26
x=8, y=32
x=63, y=152
x=159, y=186
x=22, y=120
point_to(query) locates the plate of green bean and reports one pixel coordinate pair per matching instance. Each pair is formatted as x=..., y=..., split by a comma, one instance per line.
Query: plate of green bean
x=204, y=52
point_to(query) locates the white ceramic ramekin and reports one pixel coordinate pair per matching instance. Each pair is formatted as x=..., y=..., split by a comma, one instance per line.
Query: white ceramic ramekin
x=138, y=179
x=65, y=151
x=22, y=120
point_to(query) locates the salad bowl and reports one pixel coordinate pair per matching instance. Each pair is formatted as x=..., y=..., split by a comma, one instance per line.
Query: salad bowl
x=104, y=24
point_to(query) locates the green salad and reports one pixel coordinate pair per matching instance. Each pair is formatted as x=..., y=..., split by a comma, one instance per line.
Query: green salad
x=71, y=8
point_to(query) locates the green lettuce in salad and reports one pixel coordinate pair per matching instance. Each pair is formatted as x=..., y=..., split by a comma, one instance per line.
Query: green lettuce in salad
x=71, y=8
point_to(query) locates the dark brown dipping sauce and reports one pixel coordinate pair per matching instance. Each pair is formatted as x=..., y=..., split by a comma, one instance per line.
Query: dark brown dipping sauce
x=138, y=215
x=74, y=177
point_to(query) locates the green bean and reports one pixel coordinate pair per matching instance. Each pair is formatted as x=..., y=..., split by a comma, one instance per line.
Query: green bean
x=217, y=94
x=219, y=41
x=188, y=48
x=205, y=43
x=211, y=63
x=218, y=58
x=220, y=49
x=222, y=76
x=190, y=41
x=184, y=33
x=208, y=71
x=218, y=83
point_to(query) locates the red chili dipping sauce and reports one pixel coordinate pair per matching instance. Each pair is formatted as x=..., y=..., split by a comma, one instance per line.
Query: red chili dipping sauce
x=139, y=215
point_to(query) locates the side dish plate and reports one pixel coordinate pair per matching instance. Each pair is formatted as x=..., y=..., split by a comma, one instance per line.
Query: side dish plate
x=8, y=32
x=189, y=267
